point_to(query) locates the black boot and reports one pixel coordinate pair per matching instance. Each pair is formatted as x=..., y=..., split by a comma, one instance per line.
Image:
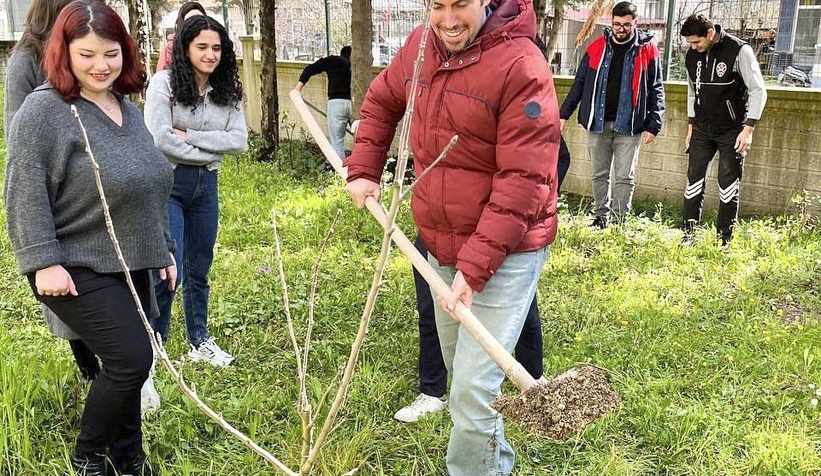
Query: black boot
x=91, y=465
x=132, y=464
x=599, y=223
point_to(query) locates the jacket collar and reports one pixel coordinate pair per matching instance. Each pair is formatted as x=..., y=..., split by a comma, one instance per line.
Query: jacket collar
x=640, y=38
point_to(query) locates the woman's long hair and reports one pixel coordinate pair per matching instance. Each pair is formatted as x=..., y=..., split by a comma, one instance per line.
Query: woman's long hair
x=40, y=18
x=227, y=89
x=186, y=8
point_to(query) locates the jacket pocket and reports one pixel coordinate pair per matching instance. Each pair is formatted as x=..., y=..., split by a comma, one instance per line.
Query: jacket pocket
x=730, y=109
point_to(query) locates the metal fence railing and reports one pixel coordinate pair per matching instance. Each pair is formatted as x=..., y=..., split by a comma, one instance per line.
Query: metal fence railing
x=785, y=34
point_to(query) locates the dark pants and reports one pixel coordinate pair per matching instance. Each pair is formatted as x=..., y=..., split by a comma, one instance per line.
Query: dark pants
x=193, y=215
x=563, y=165
x=104, y=315
x=703, y=146
x=432, y=373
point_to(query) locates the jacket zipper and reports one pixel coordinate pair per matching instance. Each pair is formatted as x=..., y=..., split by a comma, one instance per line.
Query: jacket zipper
x=730, y=108
x=595, y=85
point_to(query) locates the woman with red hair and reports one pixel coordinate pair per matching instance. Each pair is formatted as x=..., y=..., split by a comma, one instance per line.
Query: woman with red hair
x=57, y=227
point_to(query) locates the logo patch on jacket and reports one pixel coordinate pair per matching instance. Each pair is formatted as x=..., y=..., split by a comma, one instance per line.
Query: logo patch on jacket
x=533, y=109
x=721, y=68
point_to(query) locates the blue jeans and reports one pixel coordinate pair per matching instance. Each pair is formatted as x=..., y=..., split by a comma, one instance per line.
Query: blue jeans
x=433, y=376
x=339, y=116
x=620, y=152
x=477, y=445
x=193, y=214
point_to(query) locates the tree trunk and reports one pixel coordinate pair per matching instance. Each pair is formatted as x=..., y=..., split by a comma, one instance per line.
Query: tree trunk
x=268, y=80
x=156, y=24
x=138, y=27
x=361, y=57
x=556, y=27
x=540, y=6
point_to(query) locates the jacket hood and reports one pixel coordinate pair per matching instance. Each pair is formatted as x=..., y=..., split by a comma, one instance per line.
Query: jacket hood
x=514, y=18
x=641, y=37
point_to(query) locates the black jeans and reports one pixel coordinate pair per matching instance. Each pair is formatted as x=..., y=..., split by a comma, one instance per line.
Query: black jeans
x=433, y=375
x=104, y=315
x=703, y=146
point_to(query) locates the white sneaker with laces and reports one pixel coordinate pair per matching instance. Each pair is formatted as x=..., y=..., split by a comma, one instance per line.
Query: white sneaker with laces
x=149, y=398
x=423, y=405
x=210, y=352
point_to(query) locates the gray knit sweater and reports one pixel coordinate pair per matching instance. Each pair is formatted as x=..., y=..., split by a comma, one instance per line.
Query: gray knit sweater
x=54, y=211
x=23, y=74
x=211, y=130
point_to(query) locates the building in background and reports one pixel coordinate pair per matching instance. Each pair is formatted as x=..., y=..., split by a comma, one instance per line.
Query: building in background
x=798, y=41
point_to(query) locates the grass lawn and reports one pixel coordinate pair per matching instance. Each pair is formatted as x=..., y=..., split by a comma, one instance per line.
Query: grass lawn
x=715, y=352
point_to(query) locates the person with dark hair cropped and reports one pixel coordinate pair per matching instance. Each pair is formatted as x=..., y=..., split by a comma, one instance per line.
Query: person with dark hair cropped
x=57, y=227
x=620, y=89
x=24, y=72
x=725, y=100
x=186, y=11
x=432, y=372
x=338, y=70
x=194, y=111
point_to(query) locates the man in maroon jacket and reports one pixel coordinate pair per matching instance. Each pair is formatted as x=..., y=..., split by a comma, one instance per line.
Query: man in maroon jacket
x=487, y=213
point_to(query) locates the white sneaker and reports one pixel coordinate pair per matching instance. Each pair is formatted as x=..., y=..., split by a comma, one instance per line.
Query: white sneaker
x=210, y=352
x=149, y=398
x=423, y=405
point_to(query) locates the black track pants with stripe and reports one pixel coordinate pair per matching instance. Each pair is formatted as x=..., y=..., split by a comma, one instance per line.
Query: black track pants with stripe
x=703, y=147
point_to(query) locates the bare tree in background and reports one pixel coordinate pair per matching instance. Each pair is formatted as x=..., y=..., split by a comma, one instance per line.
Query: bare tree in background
x=551, y=25
x=361, y=57
x=268, y=80
x=156, y=10
x=138, y=27
x=540, y=6
x=249, y=10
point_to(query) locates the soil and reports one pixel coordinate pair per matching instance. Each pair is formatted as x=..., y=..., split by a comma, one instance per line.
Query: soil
x=562, y=406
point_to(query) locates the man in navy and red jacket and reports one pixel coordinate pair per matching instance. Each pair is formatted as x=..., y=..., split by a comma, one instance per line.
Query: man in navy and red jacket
x=620, y=89
x=487, y=213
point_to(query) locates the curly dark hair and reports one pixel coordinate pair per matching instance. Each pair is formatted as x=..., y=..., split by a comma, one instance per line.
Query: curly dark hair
x=227, y=88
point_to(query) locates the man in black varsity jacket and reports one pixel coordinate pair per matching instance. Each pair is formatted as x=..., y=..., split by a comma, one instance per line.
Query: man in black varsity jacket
x=725, y=99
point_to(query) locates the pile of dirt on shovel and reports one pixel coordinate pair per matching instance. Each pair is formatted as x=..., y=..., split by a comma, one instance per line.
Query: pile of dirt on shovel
x=563, y=405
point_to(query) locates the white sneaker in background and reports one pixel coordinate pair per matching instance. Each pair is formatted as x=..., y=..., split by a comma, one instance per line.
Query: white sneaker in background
x=210, y=352
x=423, y=405
x=149, y=398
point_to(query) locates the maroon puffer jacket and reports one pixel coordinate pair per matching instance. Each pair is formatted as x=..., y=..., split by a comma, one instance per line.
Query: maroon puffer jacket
x=495, y=193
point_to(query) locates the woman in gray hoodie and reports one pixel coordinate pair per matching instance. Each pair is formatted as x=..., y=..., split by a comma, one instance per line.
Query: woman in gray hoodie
x=194, y=111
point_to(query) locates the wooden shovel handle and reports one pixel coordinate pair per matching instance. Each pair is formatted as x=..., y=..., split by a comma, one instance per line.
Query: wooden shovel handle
x=513, y=369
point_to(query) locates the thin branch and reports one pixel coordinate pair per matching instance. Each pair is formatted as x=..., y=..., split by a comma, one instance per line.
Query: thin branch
x=383, y=256
x=441, y=157
x=314, y=279
x=156, y=344
x=303, y=407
